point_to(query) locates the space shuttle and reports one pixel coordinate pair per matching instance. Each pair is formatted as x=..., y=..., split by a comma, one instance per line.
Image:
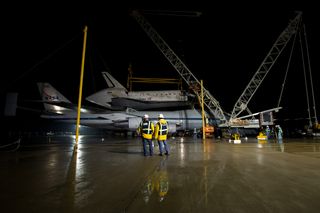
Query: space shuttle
x=116, y=96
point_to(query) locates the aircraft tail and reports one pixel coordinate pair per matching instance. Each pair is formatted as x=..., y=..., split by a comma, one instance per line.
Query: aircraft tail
x=111, y=81
x=51, y=96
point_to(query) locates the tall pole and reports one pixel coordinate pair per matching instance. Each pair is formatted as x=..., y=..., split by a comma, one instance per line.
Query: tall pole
x=202, y=109
x=81, y=82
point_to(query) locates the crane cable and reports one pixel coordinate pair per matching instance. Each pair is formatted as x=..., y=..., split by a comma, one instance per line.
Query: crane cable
x=43, y=60
x=305, y=80
x=310, y=74
x=286, y=74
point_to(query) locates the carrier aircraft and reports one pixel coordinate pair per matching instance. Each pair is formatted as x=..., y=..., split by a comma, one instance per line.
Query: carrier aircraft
x=59, y=108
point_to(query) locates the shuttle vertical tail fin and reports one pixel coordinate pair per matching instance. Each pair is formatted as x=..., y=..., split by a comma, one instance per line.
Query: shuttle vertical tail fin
x=111, y=81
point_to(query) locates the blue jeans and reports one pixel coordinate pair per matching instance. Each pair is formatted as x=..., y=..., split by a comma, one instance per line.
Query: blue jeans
x=146, y=142
x=164, y=144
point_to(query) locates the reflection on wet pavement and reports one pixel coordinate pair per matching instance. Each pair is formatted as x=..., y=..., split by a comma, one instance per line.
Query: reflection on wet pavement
x=157, y=184
x=111, y=175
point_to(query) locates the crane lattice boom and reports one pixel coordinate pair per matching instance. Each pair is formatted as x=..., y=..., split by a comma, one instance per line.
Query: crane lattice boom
x=211, y=103
x=268, y=62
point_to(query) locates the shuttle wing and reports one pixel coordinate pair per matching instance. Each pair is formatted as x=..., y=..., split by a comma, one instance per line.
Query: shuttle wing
x=124, y=103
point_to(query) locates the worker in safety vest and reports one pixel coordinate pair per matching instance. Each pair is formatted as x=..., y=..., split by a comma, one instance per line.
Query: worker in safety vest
x=161, y=133
x=268, y=132
x=146, y=129
x=279, y=132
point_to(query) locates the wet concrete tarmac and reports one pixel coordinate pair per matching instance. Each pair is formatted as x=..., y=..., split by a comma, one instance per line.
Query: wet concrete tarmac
x=112, y=175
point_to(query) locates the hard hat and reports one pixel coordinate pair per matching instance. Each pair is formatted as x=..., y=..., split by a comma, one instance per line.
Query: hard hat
x=146, y=116
x=160, y=116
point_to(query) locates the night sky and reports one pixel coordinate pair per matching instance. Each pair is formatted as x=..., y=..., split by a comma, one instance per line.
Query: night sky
x=224, y=47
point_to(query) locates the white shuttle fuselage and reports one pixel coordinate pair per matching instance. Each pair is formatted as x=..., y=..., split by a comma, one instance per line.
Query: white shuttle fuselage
x=116, y=96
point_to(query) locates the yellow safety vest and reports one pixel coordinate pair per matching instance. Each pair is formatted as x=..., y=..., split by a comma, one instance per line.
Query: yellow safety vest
x=161, y=131
x=146, y=129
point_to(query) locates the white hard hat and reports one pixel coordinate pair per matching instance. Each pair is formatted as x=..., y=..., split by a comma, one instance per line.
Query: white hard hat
x=146, y=116
x=160, y=116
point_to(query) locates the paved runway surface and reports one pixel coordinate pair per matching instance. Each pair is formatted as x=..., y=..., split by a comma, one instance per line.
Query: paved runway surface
x=112, y=175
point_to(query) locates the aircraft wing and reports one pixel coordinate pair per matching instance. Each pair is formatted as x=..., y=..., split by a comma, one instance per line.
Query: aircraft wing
x=84, y=109
x=60, y=106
